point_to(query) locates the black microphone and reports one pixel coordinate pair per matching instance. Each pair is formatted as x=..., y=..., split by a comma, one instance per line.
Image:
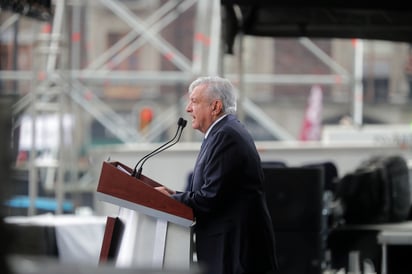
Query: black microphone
x=181, y=125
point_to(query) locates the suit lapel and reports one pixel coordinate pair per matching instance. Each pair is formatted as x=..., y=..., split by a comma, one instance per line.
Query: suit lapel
x=204, y=147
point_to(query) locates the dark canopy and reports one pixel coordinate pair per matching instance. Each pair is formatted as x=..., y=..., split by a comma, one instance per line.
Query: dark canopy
x=386, y=20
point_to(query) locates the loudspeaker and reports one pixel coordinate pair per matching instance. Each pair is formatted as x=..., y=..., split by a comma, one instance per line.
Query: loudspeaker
x=295, y=200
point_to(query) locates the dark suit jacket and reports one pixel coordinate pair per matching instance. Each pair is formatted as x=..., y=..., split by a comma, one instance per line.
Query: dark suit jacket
x=233, y=228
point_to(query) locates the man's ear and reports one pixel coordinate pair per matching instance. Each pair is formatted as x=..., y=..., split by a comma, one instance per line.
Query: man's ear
x=218, y=106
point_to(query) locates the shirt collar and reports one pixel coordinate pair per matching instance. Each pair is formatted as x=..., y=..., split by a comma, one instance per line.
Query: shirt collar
x=214, y=123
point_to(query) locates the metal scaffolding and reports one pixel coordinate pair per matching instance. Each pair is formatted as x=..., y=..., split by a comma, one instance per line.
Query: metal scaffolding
x=58, y=80
x=61, y=84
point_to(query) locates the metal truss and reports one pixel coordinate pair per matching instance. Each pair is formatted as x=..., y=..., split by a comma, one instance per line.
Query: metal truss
x=57, y=86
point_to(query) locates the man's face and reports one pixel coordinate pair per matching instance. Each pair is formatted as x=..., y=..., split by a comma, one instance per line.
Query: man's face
x=200, y=108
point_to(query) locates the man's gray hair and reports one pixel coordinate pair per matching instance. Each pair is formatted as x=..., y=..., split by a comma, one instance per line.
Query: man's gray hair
x=218, y=88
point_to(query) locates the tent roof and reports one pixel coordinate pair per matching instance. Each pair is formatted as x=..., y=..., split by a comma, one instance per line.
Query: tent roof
x=388, y=20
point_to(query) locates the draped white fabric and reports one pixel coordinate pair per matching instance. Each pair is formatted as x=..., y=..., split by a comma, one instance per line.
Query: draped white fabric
x=78, y=238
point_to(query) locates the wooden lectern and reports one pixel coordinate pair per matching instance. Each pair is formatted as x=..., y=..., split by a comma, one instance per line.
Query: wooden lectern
x=152, y=229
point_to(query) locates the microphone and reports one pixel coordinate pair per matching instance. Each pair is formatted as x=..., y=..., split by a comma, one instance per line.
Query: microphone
x=181, y=125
